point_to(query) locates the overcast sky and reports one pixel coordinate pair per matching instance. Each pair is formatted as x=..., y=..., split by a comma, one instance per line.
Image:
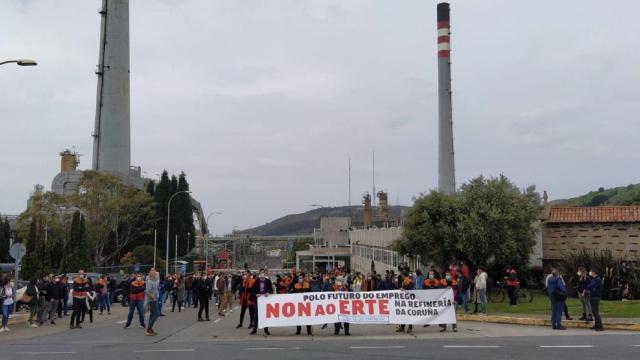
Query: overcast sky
x=261, y=103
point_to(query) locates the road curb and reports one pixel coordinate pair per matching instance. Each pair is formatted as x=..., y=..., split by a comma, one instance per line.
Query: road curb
x=545, y=322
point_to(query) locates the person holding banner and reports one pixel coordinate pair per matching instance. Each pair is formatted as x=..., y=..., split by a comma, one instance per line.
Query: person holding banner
x=341, y=287
x=302, y=286
x=245, y=299
x=262, y=287
x=406, y=284
x=449, y=282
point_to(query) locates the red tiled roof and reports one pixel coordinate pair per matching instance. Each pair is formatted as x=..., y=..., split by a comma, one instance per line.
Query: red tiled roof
x=596, y=214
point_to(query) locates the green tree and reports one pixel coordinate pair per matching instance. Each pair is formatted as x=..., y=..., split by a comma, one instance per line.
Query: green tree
x=32, y=264
x=47, y=210
x=431, y=228
x=184, y=216
x=489, y=221
x=5, y=240
x=497, y=223
x=161, y=196
x=116, y=214
x=77, y=250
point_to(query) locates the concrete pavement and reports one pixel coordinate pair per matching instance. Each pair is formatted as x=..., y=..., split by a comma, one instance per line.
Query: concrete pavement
x=181, y=335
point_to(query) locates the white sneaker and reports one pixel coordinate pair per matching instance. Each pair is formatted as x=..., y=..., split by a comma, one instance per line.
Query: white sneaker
x=34, y=325
x=231, y=311
x=7, y=329
x=2, y=330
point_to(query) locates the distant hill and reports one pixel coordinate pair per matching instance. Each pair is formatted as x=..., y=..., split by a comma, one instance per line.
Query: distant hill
x=623, y=195
x=303, y=224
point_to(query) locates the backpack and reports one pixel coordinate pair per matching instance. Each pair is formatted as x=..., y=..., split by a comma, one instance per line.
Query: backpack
x=559, y=294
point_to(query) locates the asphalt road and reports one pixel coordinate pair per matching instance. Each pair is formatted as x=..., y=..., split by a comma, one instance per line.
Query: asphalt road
x=184, y=338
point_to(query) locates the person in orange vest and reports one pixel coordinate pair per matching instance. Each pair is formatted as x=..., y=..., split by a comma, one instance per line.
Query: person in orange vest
x=512, y=285
x=449, y=282
x=406, y=283
x=430, y=282
x=283, y=284
x=136, y=300
x=302, y=286
x=79, y=294
x=245, y=298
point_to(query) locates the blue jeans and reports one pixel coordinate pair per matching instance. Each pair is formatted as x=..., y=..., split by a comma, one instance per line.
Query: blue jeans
x=103, y=302
x=556, y=313
x=482, y=300
x=160, y=300
x=153, y=313
x=133, y=305
x=6, y=310
x=188, y=300
x=464, y=300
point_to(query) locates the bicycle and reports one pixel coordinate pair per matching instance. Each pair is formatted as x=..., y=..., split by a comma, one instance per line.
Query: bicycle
x=498, y=294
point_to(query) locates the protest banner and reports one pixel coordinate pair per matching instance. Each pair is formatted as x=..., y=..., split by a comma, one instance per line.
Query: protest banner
x=375, y=307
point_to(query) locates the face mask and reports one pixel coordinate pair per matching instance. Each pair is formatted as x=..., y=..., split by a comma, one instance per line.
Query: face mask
x=431, y=277
x=590, y=273
x=579, y=273
x=448, y=278
x=139, y=278
x=57, y=280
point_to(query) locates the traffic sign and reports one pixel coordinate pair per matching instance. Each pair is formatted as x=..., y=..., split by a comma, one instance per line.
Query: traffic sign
x=17, y=251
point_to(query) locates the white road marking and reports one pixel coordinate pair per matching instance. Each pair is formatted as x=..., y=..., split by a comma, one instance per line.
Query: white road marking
x=378, y=347
x=217, y=320
x=121, y=322
x=471, y=346
x=46, y=352
x=271, y=348
x=164, y=350
x=567, y=346
x=635, y=345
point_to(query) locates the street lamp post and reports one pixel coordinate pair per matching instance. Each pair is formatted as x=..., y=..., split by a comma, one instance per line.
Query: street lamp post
x=168, y=222
x=20, y=62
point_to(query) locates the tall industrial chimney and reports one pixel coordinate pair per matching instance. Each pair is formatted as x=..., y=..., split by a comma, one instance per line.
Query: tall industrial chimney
x=112, y=134
x=446, y=166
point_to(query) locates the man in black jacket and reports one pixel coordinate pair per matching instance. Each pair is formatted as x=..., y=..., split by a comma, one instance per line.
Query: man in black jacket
x=595, y=294
x=55, y=293
x=202, y=287
x=262, y=287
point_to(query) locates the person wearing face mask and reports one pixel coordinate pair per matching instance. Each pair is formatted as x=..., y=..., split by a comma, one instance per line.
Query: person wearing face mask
x=583, y=295
x=227, y=295
x=595, y=294
x=302, y=286
x=245, y=298
x=55, y=293
x=262, y=287
x=449, y=282
x=431, y=282
x=79, y=294
x=406, y=284
x=136, y=301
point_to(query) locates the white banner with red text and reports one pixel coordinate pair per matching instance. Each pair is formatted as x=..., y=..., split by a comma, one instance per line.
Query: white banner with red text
x=375, y=307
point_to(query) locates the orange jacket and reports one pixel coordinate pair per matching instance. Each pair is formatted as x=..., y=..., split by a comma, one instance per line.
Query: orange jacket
x=430, y=284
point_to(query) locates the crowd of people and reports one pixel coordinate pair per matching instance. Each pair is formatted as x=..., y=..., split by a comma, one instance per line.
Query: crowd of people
x=50, y=297
x=589, y=288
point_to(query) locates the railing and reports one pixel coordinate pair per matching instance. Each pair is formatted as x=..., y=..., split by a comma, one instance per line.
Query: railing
x=387, y=257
